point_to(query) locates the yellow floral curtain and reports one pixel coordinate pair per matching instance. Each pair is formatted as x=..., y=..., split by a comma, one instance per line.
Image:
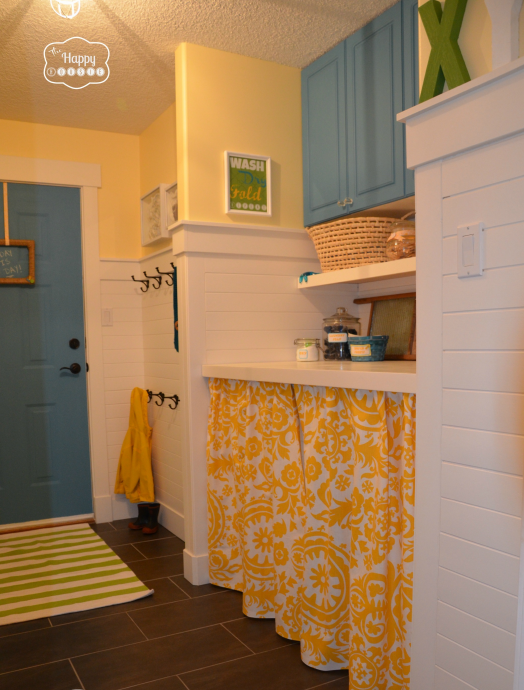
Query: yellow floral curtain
x=310, y=505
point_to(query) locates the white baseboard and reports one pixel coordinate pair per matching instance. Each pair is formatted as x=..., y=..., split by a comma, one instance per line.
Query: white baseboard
x=196, y=568
x=171, y=520
x=103, y=507
x=122, y=508
x=51, y=522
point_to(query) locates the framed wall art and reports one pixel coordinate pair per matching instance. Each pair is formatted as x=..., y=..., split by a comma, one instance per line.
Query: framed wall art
x=171, y=194
x=153, y=215
x=248, y=184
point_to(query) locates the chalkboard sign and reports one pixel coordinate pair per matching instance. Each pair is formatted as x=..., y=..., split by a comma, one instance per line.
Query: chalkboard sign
x=16, y=265
x=248, y=184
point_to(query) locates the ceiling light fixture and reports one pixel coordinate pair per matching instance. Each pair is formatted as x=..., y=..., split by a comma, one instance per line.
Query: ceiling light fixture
x=66, y=8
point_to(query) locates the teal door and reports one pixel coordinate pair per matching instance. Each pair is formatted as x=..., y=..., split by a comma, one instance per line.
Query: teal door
x=324, y=137
x=375, y=97
x=44, y=445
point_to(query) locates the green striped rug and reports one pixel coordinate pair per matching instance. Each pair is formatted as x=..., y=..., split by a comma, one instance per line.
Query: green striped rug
x=47, y=572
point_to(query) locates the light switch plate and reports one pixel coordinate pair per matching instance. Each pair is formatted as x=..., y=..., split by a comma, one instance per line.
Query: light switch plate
x=107, y=317
x=470, y=250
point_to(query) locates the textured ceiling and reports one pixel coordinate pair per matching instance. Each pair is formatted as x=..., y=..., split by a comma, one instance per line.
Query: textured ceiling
x=142, y=36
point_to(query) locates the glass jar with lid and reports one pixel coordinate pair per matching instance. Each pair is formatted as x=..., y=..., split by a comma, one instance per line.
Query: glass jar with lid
x=401, y=242
x=307, y=349
x=337, y=329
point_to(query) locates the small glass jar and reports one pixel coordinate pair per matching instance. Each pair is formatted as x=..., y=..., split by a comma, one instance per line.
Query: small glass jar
x=307, y=349
x=337, y=328
x=401, y=242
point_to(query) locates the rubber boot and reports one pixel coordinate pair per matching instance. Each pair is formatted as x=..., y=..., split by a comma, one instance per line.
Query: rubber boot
x=151, y=525
x=143, y=515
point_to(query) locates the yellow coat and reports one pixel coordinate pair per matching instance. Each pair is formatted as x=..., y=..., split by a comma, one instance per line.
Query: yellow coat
x=134, y=476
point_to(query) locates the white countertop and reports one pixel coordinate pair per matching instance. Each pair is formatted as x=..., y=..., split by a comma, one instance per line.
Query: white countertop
x=396, y=376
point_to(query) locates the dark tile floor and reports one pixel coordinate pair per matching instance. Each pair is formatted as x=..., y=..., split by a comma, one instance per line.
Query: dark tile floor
x=181, y=638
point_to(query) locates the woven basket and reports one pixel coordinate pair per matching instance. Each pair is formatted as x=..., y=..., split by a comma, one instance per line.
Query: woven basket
x=351, y=242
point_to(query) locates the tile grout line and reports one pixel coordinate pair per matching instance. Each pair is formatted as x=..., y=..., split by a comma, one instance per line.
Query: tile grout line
x=138, y=628
x=76, y=674
x=236, y=638
x=180, y=679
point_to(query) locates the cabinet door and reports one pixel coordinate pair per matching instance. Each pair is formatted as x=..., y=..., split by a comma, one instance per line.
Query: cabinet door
x=411, y=86
x=324, y=137
x=374, y=97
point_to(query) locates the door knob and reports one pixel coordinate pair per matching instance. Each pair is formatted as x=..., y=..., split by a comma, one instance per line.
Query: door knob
x=74, y=368
x=74, y=343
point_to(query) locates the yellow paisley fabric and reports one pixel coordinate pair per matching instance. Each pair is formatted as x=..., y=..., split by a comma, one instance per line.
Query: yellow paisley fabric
x=310, y=506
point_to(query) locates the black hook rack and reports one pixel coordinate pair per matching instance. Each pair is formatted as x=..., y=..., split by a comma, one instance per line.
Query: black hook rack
x=146, y=283
x=174, y=398
x=163, y=397
x=157, y=278
x=167, y=273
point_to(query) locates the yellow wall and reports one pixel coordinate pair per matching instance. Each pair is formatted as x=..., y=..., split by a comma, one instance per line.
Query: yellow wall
x=474, y=39
x=118, y=155
x=158, y=160
x=227, y=102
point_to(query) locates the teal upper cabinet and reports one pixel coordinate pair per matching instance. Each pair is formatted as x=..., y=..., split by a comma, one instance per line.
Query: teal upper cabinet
x=324, y=136
x=374, y=97
x=354, y=148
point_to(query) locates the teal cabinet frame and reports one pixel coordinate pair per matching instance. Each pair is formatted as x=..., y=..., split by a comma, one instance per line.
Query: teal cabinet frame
x=324, y=136
x=374, y=97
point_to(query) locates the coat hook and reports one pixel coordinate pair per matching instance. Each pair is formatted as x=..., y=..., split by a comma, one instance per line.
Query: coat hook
x=166, y=273
x=157, y=278
x=175, y=399
x=146, y=283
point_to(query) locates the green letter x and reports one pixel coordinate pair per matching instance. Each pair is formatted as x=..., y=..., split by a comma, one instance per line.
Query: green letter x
x=445, y=63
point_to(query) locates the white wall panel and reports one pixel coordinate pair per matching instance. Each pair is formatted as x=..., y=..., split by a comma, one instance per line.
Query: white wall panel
x=162, y=372
x=446, y=681
x=484, y=330
x=497, y=288
x=499, y=412
x=472, y=668
x=484, y=449
x=484, y=527
x=484, y=371
x=503, y=160
x=483, y=488
x=480, y=637
x=480, y=600
x=485, y=565
x=499, y=204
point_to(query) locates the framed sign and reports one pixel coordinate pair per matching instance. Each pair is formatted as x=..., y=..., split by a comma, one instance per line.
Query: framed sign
x=17, y=267
x=248, y=184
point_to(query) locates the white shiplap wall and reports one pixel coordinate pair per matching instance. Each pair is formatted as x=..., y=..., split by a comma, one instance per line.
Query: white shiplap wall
x=162, y=372
x=123, y=360
x=139, y=351
x=254, y=310
x=483, y=426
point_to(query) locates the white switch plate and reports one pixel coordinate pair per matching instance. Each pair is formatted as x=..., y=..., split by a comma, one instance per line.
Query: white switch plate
x=107, y=317
x=470, y=250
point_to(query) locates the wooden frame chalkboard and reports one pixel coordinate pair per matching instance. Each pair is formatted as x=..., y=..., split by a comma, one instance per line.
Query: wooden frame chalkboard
x=29, y=279
x=411, y=342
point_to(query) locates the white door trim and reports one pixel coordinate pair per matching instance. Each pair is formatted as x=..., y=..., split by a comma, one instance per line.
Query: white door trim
x=86, y=176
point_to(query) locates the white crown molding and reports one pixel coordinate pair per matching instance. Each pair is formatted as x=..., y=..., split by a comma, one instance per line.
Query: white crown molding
x=43, y=171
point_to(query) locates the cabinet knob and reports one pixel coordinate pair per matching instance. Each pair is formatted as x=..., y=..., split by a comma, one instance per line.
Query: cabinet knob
x=346, y=202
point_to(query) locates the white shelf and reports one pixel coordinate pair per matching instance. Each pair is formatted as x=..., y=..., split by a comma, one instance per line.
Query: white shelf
x=397, y=376
x=402, y=268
